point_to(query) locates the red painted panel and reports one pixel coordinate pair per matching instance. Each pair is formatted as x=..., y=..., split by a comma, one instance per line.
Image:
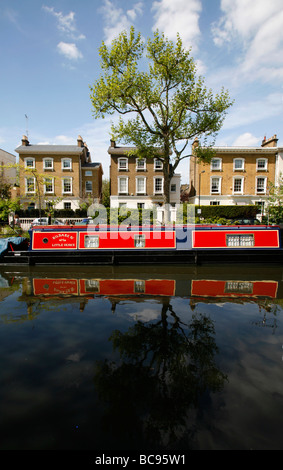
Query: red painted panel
x=62, y=240
x=129, y=287
x=211, y=288
x=217, y=238
x=55, y=287
x=125, y=239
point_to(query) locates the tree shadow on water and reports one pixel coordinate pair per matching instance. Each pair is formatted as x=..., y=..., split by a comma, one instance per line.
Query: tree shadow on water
x=166, y=369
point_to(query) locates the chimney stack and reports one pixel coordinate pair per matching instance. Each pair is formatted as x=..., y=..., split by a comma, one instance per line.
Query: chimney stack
x=80, y=141
x=25, y=141
x=271, y=142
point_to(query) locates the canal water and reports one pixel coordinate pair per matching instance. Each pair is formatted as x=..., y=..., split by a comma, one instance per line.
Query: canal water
x=161, y=358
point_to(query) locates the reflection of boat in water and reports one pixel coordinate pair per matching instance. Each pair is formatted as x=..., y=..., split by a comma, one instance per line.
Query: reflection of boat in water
x=180, y=281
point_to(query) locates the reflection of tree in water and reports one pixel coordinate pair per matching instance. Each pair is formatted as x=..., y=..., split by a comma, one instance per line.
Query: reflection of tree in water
x=166, y=369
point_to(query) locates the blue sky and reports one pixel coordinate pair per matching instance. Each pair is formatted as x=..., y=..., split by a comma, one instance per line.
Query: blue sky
x=49, y=57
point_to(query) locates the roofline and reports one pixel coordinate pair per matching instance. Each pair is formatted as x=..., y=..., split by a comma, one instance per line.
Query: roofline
x=49, y=149
x=247, y=149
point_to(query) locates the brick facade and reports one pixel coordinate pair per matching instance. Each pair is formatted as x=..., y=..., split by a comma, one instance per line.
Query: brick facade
x=235, y=175
x=64, y=174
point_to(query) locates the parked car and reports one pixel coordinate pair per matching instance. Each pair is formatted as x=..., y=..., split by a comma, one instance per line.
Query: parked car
x=44, y=221
x=246, y=222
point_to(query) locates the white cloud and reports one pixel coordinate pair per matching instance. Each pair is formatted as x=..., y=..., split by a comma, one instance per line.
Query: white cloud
x=255, y=30
x=70, y=51
x=246, y=140
x=178, y=16
x=65, y=23
x=116, y=20
x=268, y=107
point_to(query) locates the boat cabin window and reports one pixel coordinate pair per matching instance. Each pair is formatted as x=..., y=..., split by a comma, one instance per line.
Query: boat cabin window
x=139, y=286
x=240, y=240
x=91, y=241
x=139, y=241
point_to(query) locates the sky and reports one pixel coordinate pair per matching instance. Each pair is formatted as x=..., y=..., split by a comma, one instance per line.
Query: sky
x=49, y=56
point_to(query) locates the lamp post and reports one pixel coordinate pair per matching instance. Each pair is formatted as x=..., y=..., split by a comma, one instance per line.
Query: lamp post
x=199, y=186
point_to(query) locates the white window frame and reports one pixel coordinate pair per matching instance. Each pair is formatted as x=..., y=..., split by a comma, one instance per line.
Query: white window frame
x=243, y=164
x=219, y=184
x=26, y=184
x=32, y=159
x=218, y=160
x=119, y=164
x=162, y=185
x=52, y=182
x=67, y=168
x=120, y=178
x=88, y=190
x=140, y=164
x=141, y=178
x=241, y=178
x=264, y=185
x=265, y=161
x=50, y=168
x=71, y=185
x=158, y=164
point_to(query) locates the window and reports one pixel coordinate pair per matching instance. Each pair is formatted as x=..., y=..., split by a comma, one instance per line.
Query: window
x=173, y=188
x=66, y=163
x=29, y=162
x=239, y=164
x=240, y=240
x=88, y=173
x=216, y=164
x=48, y=163
x=91, y=241
x=123, y=185
x=140, y=205
x=140, y=185
x=122, y=205
x=140, y=164
x=214, y=203
x=238, y=186
x=122, y=164
x=30, y=185
x=158, y=164
x=139, y=241
x=261, y=164
x=261, y=185
x=48, y=185
x=158, y=185
x=88, y=186
x=67, y=185
x=139, y=286
x=67, y=205
x=215, y=185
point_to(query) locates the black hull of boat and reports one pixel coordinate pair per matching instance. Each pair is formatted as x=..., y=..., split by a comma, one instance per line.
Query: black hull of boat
x=124, y=257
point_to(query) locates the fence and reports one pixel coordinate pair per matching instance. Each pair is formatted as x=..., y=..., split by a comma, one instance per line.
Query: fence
x=26, y=221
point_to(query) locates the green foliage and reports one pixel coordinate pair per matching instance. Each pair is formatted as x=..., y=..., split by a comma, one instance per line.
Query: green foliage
x=275, y=203
x=7, y=206
x=169, y=102
x=228, y=212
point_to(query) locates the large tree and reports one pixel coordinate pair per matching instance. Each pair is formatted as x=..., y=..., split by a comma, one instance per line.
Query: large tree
x=156, y=81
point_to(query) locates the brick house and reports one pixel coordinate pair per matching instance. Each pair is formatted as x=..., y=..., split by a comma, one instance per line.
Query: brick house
x=236, y=175
x=8, y=175
x=65, y=173
x=138, y=183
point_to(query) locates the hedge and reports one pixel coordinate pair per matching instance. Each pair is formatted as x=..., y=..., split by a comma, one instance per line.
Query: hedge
x=228, y=212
